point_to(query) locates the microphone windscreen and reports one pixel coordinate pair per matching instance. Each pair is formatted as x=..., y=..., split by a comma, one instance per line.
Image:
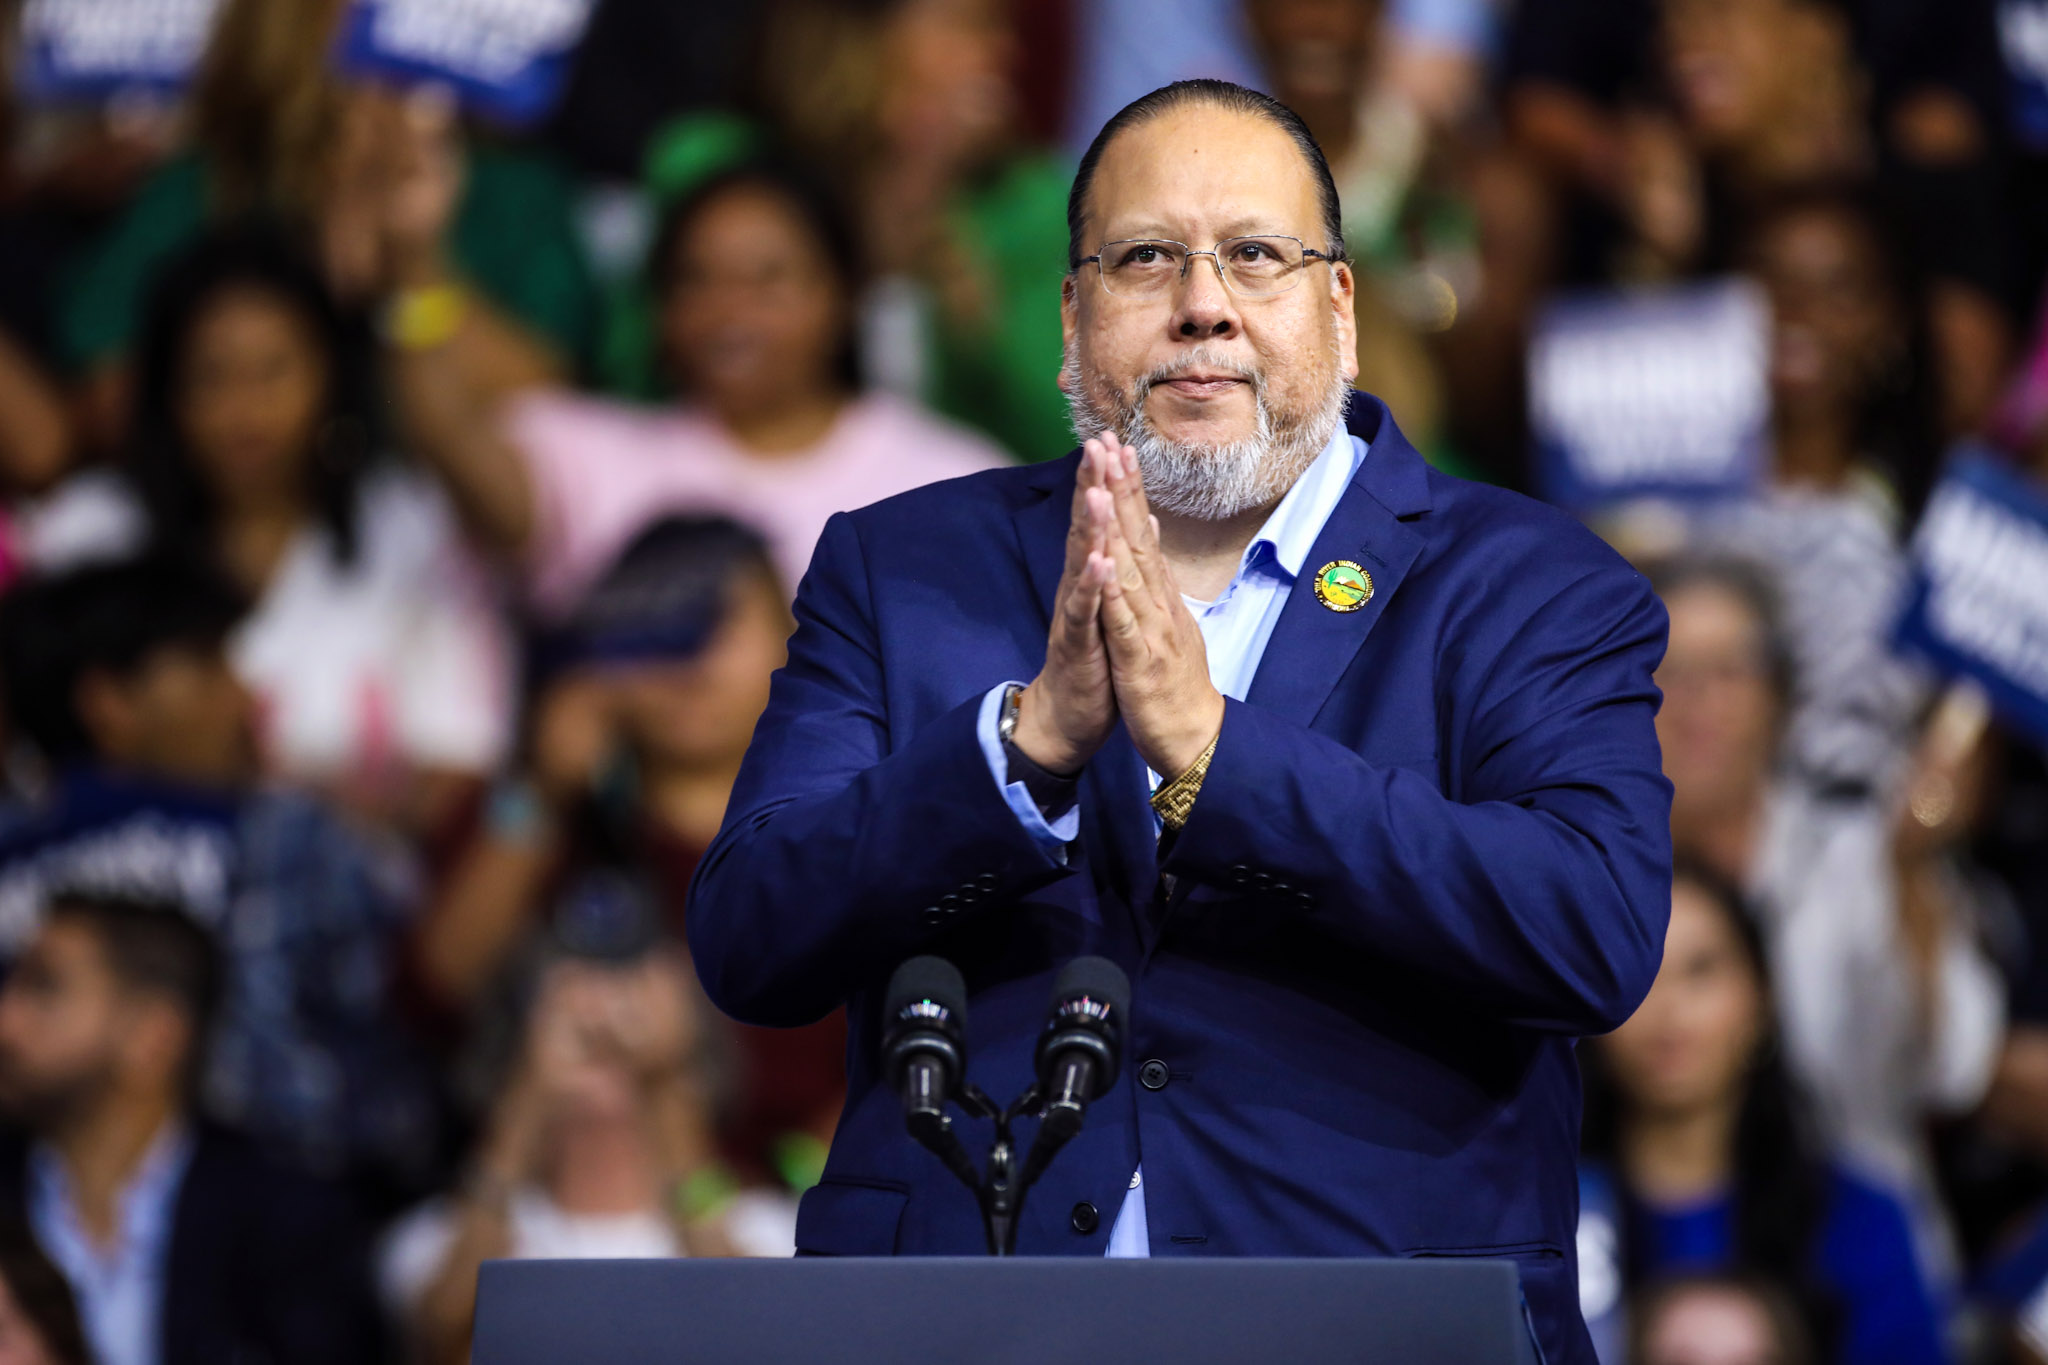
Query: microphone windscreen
x=927, y=980
x=1091, y=1001
x=1098, y=978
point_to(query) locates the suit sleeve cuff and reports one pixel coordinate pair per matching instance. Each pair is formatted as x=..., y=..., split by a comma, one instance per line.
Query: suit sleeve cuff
x=1053, y=837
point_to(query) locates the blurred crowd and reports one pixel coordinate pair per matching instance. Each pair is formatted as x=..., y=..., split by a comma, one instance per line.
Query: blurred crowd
x=400, y=514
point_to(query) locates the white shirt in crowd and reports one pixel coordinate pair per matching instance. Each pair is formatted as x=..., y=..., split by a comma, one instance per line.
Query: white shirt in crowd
x=1829, y=903
x=1835, y=560
x=399, y=660
x=758, y=1222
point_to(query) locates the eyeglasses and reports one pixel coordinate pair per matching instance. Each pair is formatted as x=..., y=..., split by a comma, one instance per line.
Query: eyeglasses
x=1251, y=267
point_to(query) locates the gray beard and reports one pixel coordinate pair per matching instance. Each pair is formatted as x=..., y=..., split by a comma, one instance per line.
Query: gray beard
x=1199, y=480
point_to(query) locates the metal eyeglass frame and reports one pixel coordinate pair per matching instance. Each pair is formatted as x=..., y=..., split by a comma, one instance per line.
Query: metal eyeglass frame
x=1188, y=254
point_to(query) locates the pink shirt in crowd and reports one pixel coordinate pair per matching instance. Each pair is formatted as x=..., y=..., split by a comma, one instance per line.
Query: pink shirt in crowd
x=603, y=471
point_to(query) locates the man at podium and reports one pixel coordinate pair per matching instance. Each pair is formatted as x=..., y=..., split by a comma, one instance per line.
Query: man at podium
x=1349, y=764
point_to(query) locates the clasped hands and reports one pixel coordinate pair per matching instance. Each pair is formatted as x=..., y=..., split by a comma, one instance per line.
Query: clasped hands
x=1123, y=642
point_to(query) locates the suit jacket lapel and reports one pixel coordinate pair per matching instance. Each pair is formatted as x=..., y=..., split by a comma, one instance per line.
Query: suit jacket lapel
x=1042, y=529
x=196, y=1257
x=1312, y=646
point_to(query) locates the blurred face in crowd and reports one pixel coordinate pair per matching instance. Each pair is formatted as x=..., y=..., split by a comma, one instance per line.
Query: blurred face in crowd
x=1691, y=1041
x=1836, y=324
x=1317, y=52
x=948, y=78
x=180, y=714
x=1711, y=1324
x=1719, y=722
x=251, y=395
x=1226, y=398
x=69, y=1028
x=1736, y=67
x=755, y=312
x=1739, y=68
x=598, y=1031
x=700, y=713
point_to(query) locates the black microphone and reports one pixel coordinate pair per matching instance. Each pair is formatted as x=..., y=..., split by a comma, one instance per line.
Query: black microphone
x=1079, y=1052
x=924, y=1053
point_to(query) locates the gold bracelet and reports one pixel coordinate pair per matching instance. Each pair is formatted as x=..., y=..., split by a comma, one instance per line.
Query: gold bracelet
x=1175, y=800
x=427, y=317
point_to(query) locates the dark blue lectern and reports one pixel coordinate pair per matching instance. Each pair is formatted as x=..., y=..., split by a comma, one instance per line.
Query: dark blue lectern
x=988, y=1311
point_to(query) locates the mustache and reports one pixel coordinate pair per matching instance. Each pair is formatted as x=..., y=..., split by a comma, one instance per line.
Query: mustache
x=1202, y=357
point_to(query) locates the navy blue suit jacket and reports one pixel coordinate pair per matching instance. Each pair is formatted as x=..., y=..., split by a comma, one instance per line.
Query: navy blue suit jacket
x=1432, y=849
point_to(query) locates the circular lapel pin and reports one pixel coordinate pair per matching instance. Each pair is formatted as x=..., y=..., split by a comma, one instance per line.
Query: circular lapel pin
x=1342, y=585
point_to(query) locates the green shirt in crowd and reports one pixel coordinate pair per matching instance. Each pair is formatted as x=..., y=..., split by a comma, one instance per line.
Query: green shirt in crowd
x=998, y=371
x=514, y=236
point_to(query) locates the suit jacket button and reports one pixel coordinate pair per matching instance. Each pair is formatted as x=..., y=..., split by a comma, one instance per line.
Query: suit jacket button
x=1153, y=1075
x=1238, y=875
x=1304, y=900
x=933, y=917
x=986, y=881
x=949, y=902
x=1084, y=1219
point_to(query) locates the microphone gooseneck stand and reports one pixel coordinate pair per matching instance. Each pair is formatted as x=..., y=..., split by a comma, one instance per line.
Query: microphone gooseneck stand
x=999, y=1188
x=924, y=1051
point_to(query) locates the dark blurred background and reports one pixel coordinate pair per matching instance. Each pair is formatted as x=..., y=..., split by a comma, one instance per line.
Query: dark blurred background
x=415, y=419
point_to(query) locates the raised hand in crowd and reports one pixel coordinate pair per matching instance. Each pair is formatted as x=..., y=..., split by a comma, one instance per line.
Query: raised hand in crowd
x=945, y=102
x=455, y=357
x=1935, y=809
x=605, y=1117
x=416, y=180
x=696, y=605
x=489, y=899
x=353, y=189
x=576, y=732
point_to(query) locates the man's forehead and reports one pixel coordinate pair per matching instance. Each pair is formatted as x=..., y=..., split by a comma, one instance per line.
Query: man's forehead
x=1203, y=167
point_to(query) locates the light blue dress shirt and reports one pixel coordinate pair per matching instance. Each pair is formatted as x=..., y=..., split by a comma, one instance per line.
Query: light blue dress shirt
x=1235, y=629
x=119, y=1287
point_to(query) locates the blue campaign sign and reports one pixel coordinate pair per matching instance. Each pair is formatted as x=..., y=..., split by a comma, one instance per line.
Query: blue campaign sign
x=119, y=836
x=505, y=59
x=1649, y=394
x=1978, y=600
x=75, y=51
x=2023, y=42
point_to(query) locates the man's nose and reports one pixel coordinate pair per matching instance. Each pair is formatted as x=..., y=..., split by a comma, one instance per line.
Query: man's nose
x=1203, y=307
